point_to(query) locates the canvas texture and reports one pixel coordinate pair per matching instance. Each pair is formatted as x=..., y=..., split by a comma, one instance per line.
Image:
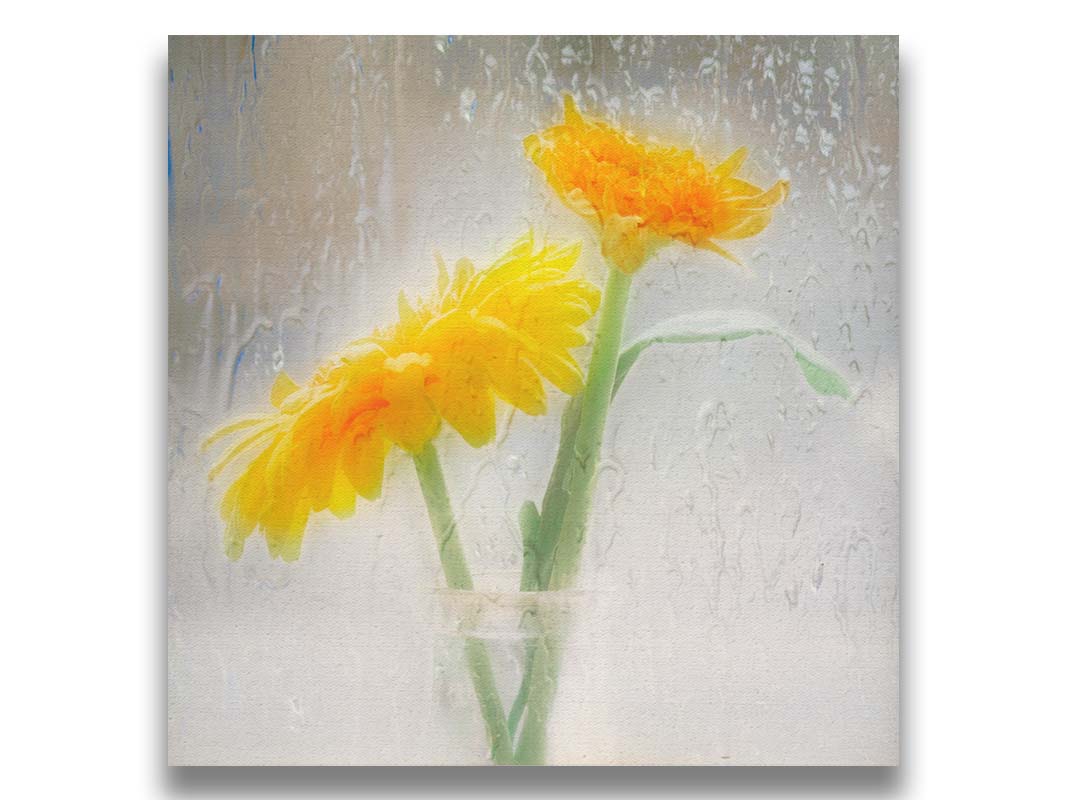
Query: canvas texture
x=533, y=400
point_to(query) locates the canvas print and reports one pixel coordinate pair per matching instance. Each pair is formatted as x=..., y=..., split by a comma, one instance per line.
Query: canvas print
x=533, y=400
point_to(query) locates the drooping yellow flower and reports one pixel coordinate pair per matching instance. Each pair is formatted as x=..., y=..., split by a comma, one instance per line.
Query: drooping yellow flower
x=481, y=336
x=497, y=333
x=641, y=197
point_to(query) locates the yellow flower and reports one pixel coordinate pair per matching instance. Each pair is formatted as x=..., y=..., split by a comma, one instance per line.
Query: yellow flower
x=641, y=197
x=482, y=335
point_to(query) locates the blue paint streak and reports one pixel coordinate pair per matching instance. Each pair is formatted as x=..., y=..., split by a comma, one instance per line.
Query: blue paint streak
x=233, y=376
x=254, y=74
x=170, y=162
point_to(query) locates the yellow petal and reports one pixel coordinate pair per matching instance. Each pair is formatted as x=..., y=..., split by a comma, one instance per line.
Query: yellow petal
x=406, y=312
x=464, y=272
x=731, y=164
x=512, y=376
x=517, y=263
x=571, y=114
x=232, y=427
x=282, y=388
x=343, y=496
x=473, y=417
x=246, y=443
x=283, y=526
x=322, y=471
x=241, y=506
x=768, y=199
x=747, y=224
x=522, y=248
x=710, y=245
x=401, y=363
x=627, y=243
x=363, y=460
x=410, y=419
x=238, y=526
x=560, y=369
x=289, y=547
x=578, y=202
x=518, y=383
x=461, y=395
x=532, y=144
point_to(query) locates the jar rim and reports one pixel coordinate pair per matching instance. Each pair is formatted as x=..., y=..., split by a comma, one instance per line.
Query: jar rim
x=489, y=594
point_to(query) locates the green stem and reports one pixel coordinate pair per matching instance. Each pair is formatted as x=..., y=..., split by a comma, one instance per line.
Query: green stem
x=530, y=523
x=535, y=552
x=565, y=509
x=554, y=504
x=458, y=576
x=530, y=748
x=519, y=706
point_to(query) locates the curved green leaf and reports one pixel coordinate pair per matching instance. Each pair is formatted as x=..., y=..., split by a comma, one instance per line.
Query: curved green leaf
x=727, y=327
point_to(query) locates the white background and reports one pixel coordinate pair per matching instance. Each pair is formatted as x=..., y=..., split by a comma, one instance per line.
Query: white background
x=85, y=328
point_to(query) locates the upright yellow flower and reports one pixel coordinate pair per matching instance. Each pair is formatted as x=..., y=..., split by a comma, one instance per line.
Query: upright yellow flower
x=642, y=196
x=494, y=333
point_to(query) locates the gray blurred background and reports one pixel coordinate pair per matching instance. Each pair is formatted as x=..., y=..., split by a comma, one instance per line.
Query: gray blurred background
x=742, y=564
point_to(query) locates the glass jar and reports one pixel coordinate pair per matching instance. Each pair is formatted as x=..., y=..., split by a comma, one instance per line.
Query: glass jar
x=516, y=638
